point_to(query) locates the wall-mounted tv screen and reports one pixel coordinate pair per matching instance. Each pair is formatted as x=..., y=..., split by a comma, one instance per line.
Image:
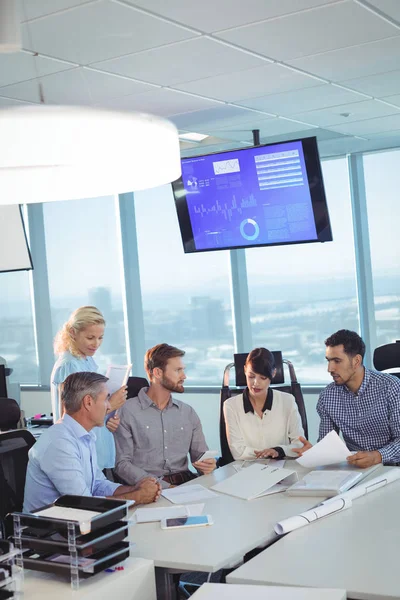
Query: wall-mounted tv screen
x=257, y=196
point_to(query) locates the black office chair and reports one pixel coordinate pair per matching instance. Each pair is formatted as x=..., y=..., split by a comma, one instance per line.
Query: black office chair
x=14, y=448
x=226, y=392
x=388, y=357
x=135, y=384
x=10, y=414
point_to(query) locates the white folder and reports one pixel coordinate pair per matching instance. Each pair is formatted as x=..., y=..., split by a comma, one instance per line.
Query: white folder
x=256, y=481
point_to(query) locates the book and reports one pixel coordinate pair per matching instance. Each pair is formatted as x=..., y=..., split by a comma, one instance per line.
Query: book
x=329, y=482
x=255, y=481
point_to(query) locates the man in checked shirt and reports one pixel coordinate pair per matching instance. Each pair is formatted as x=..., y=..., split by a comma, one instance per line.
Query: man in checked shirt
x=363, y=404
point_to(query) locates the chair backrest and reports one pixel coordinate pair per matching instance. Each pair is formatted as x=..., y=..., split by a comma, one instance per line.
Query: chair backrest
x=388, y=357
x=135, y=384
x=14, y=448
x=294, y=388
x=3, y=383
x=10, y=414
x=240, y=360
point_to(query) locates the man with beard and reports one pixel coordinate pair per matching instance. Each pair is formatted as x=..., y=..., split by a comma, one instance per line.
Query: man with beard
x=156, y=431
x=364, y=405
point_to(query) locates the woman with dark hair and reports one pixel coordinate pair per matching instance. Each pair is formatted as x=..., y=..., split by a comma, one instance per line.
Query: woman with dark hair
x=262, y=422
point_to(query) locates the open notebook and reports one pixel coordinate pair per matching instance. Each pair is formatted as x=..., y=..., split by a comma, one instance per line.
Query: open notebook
x=329, y=482
x=256, y=481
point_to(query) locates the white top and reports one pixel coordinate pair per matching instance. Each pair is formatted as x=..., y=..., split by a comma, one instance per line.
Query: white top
x=247, y=432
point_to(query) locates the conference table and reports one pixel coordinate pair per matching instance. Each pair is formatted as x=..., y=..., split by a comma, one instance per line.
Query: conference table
x=239, y=526
x=357, y=550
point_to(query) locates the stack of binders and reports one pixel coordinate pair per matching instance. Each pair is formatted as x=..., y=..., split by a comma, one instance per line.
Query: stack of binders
x=76, y=536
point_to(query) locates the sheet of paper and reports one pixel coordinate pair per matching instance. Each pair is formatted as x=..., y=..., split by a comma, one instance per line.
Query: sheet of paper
x=209, y=454
x=83, y=517
x=149, y=515
x=329, y=451
x=279, y=464
x=188, y=493
x=117, y=376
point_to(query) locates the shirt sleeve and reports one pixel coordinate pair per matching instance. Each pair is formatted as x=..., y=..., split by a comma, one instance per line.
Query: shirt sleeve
x=236, y=441
x=102, y=486
x=295, y=430
x=391, y=452
x=124, y=445
x=198, y=443
x=326, y=423
x=63, y=466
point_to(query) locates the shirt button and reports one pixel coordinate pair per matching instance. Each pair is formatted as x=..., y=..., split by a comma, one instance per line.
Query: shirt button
x=166, y=447
x=165, y=431
x=181, y=427
x=147, y=427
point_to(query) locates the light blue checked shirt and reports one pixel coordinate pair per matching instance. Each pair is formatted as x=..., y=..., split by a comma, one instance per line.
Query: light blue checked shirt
x=63, y=461
x=369, y=419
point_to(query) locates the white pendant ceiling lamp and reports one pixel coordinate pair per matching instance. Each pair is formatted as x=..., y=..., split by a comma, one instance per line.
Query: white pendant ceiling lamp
x=52, y=153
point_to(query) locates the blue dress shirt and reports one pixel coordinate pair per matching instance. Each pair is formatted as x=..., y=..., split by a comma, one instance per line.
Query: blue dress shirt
x=369, y=419
x=66, y=364
x=63, y=461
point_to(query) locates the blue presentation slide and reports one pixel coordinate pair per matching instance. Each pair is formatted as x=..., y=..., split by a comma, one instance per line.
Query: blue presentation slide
x=248, y=197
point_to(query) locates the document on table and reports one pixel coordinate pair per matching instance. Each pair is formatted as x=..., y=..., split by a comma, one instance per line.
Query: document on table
x=327, y=483
x=255, y=481
x=148, y=515
x=65, y=513
x=117, y=376
x=189, y=493
x=329, y=451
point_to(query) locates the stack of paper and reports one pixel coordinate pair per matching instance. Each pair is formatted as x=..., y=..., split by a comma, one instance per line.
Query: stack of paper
x=256, y=481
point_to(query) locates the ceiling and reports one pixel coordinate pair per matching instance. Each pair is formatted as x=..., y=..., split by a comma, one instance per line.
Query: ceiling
x=290, y=68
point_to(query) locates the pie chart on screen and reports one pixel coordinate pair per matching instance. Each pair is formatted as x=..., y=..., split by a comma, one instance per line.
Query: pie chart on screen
x=249, y=229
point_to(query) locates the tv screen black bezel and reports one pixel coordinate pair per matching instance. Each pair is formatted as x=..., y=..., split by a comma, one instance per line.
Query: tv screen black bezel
x=315, y=185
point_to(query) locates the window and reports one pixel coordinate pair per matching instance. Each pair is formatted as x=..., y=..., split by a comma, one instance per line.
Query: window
x=186, y=299
x=83, y=262
x=17, y=338
x=300, y=294
x=381, y=183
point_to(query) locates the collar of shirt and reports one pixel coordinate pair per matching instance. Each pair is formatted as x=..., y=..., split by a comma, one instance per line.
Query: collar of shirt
x=77, y=429
x=364, y=384
x=146, y=402
x=247, y=405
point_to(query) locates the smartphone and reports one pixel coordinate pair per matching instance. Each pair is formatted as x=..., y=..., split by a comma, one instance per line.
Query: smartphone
x=180, y=522
x=208, y=454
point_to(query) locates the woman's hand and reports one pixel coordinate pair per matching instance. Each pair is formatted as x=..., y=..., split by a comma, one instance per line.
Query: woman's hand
x=267, y=453
x=118, y=398
x=306, y=446
x=112, y=423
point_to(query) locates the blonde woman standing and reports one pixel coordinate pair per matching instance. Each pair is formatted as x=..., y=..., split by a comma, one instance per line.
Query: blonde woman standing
x=75, y=344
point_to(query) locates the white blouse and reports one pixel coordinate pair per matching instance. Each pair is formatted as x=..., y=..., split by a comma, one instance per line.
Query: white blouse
x=247, y=432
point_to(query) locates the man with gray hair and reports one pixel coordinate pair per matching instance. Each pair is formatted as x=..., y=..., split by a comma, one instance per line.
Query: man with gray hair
x=63, y=460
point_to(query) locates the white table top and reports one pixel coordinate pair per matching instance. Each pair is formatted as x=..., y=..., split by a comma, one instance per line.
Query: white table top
x=239, y=526
x=357, y=550
x=221, y=591
x=135, y=581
